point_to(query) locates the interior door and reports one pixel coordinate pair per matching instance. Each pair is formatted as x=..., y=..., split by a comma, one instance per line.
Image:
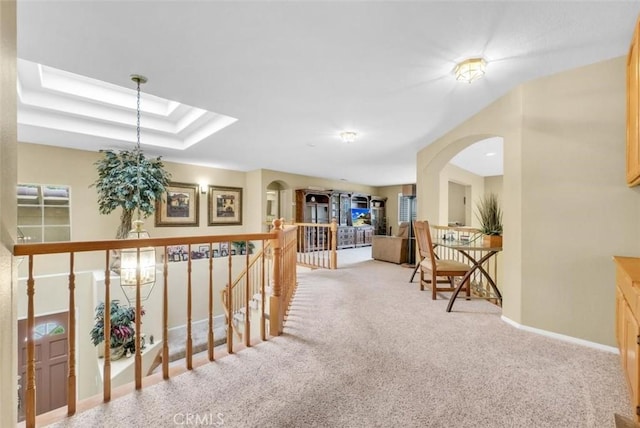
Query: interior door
x=51, y=355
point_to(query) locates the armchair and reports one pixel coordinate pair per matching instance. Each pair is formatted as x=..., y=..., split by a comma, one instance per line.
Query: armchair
x=394, y=249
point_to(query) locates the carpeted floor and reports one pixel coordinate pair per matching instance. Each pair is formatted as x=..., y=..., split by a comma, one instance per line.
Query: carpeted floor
x=364, y=348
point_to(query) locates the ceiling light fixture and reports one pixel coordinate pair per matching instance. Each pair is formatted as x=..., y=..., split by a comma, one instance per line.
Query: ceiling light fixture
x=137, y=266
x=348, y=136
x=470, y=69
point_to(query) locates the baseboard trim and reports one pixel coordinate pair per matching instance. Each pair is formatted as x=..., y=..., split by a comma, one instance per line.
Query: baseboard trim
x=562, y=337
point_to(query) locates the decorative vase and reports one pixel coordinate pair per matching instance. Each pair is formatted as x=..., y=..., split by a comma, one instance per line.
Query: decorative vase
x=492, y=240
x=117, y=352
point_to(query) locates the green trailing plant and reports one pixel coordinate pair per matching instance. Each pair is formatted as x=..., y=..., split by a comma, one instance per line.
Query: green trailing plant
x=123, y=319
x=489, y=214
x=129, y=180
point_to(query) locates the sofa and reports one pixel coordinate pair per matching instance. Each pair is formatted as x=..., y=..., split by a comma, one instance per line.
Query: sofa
x=393, y=249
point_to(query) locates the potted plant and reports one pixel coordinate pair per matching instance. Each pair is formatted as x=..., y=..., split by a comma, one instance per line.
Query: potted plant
x=490, y=216
x=122, y=336
x=129, y=180
x=241, y=247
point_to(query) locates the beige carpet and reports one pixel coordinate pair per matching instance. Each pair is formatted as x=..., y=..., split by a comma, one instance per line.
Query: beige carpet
x=364, y=348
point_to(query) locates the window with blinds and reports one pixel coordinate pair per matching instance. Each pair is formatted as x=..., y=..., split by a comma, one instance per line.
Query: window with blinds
x=406, y=208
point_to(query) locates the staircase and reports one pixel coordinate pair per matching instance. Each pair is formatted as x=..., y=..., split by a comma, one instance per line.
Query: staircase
x=255, y=305
x=199, y=331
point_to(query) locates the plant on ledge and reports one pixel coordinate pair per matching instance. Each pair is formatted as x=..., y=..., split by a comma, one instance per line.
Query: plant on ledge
x=122, y=320
x=490, y=216
x=241, y=247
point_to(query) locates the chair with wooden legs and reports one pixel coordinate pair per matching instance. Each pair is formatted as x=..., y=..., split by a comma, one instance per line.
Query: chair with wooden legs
x=438, y=268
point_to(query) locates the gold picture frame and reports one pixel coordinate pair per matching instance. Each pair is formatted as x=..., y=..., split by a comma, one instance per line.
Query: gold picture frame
x=180, y=205
x=225, y=206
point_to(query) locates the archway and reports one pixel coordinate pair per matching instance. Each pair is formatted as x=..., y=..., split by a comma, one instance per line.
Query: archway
x=433, y=182
x=276, y=197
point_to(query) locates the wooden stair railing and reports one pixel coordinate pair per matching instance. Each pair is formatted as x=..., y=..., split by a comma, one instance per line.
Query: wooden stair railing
x=281, y=241
x=240, y=300
x=317, y=245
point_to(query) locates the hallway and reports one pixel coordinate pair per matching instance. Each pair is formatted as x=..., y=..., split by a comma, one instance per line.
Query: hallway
x=362, y=347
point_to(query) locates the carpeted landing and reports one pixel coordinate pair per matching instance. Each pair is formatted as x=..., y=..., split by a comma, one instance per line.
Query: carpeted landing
x=364, y=348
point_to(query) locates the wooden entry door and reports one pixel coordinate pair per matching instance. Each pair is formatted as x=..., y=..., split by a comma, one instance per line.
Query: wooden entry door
x=51, y=354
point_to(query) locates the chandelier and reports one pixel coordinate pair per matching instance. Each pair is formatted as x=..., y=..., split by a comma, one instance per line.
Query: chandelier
x=138, y=266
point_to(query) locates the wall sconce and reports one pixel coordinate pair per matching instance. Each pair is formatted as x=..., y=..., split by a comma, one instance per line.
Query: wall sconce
x=470, y=69
x=203, y=188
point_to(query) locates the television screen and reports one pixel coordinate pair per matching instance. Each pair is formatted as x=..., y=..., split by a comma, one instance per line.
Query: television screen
x=360, y=216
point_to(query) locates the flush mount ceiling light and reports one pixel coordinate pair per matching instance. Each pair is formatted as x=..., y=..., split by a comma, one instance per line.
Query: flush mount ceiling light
x=348, y=136
x=470, y=69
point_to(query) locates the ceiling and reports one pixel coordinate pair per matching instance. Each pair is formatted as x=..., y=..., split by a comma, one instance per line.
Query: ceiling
x=297, y=73
x=483, y=158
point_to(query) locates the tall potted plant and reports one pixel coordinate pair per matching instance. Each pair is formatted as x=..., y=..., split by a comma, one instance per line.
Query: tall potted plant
x=122, y=332
x=490, y=216
x=129, y=180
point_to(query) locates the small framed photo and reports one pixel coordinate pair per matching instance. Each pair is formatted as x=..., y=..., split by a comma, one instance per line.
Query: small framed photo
x=216, y=253
x=233, y=252
x=224, y=249
x=180, y=205
x=177, y=253
x=225, y=206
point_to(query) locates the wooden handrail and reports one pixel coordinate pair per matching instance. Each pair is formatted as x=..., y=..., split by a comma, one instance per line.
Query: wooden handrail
x=317, y=244
x=106, y=246
x=120, y=244
x=224, y=292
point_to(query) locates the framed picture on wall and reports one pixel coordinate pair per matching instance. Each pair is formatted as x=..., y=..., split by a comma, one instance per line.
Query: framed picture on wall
x=225, y=206
x=180, y=205
x=224, y=249
x=177, y=253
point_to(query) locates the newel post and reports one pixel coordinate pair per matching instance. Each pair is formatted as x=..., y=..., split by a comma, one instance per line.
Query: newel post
x=334, y=244
x=276, y=311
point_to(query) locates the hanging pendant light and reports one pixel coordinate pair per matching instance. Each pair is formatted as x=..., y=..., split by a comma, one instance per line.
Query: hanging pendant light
x=138, y=267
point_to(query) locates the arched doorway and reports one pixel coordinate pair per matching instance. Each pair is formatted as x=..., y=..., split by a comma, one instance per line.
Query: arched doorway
x=474, y=171
x=277, y=193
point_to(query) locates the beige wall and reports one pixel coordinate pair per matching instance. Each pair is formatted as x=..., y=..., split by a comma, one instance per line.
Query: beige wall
x=567, y=209
x=458, y=175
x=493, y=184
x=296, y=181
x=457, y=201
x=76, y=168
x=391, y=210
x=8, y=133
x=573, y=182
